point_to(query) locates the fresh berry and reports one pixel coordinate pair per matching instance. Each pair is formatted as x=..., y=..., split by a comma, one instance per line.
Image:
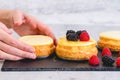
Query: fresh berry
x=107, y=60
x=106, y=51
x=72, y=37
x=84, y=36
x=78, y=32
x=70, y=31
x=118, y=62
x=94, y=60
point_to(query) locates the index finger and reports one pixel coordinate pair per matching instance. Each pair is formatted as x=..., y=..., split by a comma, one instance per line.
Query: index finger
x=46, y=31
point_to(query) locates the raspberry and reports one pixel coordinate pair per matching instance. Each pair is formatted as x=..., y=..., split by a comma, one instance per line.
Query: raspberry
x=118, y=62
x=70, y=31
x=106, y=51
x=72, y=37
x=84, y=36
x=107, y=60
x=94, y=60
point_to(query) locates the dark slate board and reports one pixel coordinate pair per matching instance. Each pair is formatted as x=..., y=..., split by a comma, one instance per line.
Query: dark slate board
x=53, y=63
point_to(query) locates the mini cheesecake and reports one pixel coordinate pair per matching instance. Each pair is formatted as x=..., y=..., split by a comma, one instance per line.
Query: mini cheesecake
x=44, y=45
x=76, y=50
x=110, y=39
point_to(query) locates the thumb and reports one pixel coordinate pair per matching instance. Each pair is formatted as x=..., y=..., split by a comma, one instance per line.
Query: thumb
x=18, y=18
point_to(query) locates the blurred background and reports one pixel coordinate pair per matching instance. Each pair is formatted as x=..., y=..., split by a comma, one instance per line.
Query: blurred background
x=84, y=13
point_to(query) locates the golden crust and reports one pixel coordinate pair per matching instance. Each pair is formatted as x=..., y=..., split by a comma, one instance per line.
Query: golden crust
x=76, y=55
x=110, y=39
x=72, y=50
x=43, y=52
x=43, y=45
x=113, y=46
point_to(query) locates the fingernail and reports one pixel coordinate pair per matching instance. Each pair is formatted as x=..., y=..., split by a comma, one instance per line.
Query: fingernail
x=33, y=56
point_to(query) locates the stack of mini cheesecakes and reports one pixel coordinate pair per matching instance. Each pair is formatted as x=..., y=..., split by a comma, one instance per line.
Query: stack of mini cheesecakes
x=74, y=46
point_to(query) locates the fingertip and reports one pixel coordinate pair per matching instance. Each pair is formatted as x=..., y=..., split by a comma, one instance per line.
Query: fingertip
x=17, y=24
x=54, y=39
x=33, y=56
x=55, y=42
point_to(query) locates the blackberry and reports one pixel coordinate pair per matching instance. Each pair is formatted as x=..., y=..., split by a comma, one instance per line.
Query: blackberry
x=107, y=60
x=72, y=37
x=78, y=33
x=70, y=31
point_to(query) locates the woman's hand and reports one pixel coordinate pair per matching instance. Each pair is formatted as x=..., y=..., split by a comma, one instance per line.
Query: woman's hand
x=25, y=24
x=11, y=48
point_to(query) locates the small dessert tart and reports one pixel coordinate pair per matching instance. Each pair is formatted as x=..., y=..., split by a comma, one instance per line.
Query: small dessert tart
x=110, y=39
x=76, y=46
x=44, y=45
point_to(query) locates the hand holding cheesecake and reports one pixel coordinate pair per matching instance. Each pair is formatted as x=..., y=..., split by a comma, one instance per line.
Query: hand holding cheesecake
x=23, y=24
